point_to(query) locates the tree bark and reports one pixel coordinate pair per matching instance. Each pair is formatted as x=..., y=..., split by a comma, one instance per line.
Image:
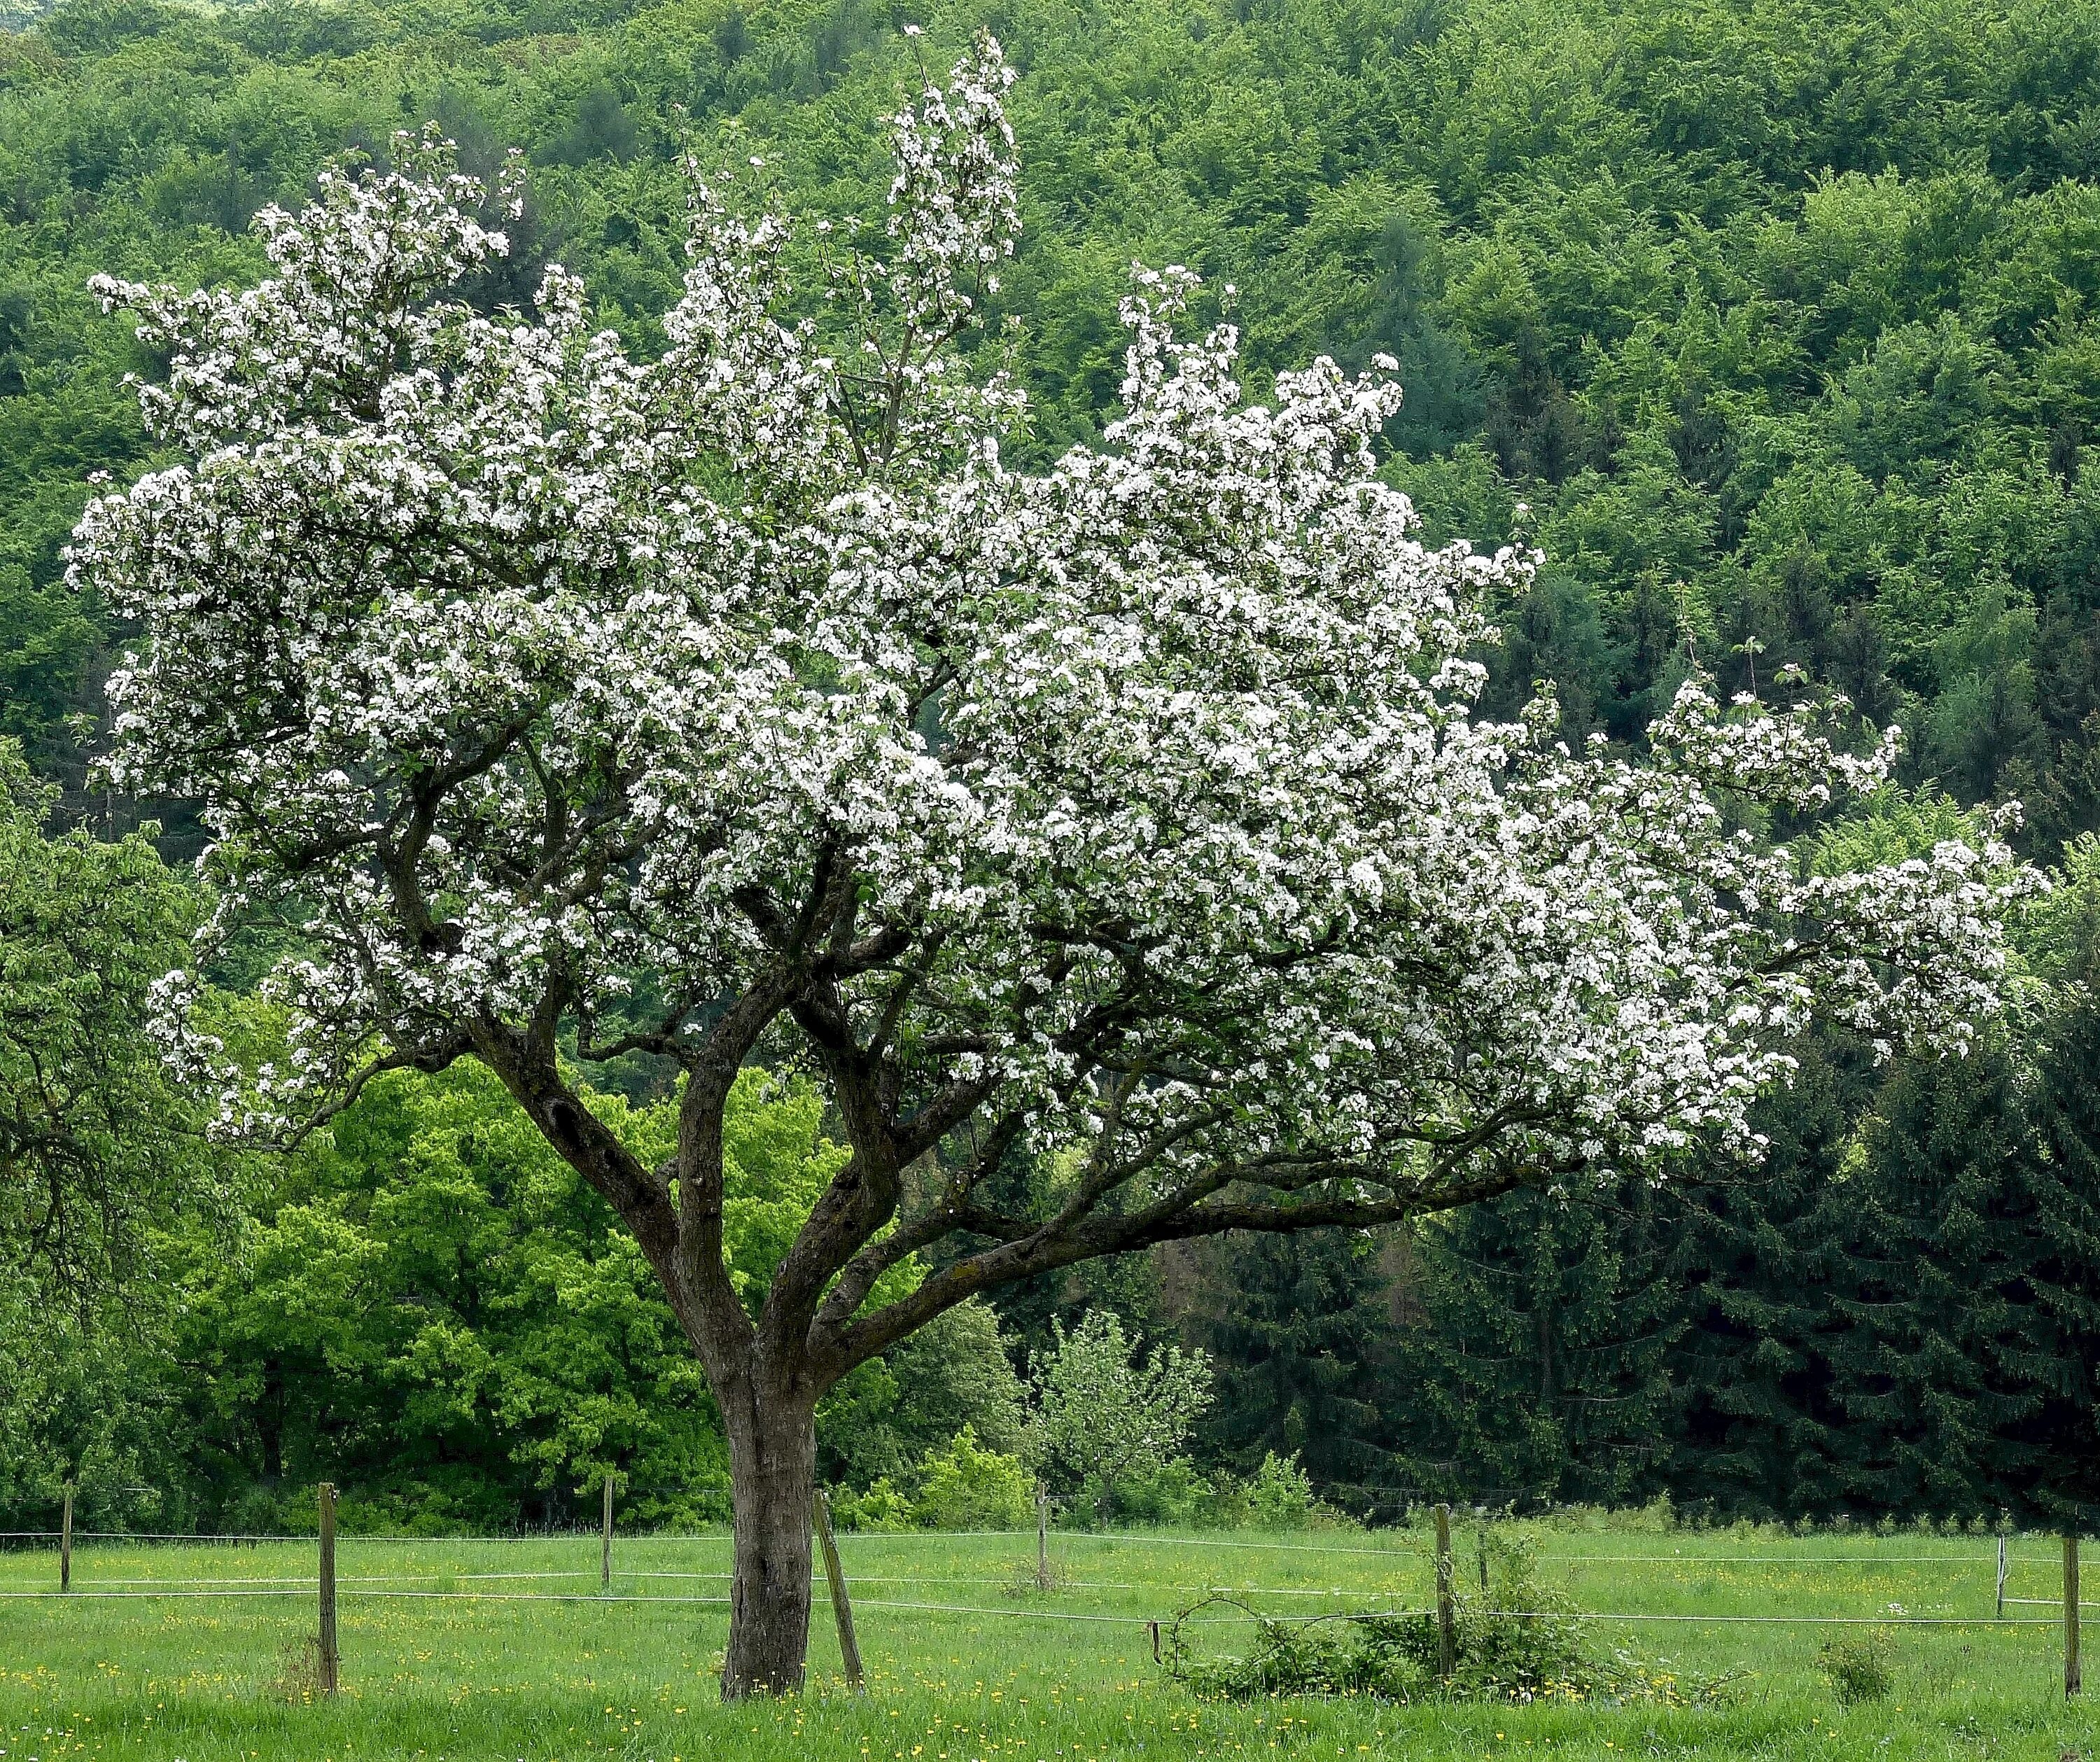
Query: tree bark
x=772, y=1466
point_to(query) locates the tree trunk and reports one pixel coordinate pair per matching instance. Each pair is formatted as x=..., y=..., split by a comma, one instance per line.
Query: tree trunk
x=773, y=1465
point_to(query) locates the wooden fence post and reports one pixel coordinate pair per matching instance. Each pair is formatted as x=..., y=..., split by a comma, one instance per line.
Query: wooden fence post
x=2001, y=1577
x=2072, y=1683
x=331, y=1660
x=65, y=1542
x=841, y=1609
x=1042, y=1539
x=605, y=1553
x=1483, y=1539
x=1447, y=1635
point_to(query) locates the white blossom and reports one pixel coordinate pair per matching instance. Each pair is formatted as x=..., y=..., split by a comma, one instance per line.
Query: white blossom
x=1139, y=807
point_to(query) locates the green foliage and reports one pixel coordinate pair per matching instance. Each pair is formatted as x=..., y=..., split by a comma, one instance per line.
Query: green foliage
x=434, y=1310
x=96, y=1145
x=1787, y=367
x=1302, y=1333
x=2056, y=1353
x=46, y=639
x=1519, y=1642
x=99, y=1160
x=954, y=1373
x=1934, y=1232
x=1175, y=1493
x=776, y=1163
x=1541, y=1330
x=1859, y=1669
x=1101, y=1415
x=1167, y=1496
x=880, y=1508
x=1332, y=1655
x=84, y=1402
x=1281, y=1497
x=1751, y=1259
x=960, y=1485
x=429, y=1307
x=1895, y=826
x=968, y=1487
x=2058, y=935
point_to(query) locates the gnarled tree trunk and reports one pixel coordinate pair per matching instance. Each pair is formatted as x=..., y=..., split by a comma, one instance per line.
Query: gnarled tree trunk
x=773, y=1464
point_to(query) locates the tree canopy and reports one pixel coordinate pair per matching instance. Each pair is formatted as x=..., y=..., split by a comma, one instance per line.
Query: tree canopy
x=95, y=1143
x=554, y=702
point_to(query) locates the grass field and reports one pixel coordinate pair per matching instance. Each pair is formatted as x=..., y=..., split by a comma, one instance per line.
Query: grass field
x=444, y=1657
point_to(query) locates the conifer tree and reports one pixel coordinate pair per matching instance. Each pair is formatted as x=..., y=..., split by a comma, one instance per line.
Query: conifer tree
x=2058, y=1355
x=1301, y=1331
x=1541, y=1361
x=1749, y=1259
x=1931, y=1308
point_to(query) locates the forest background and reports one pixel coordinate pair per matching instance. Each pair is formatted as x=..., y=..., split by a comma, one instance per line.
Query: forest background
x=1774, y=325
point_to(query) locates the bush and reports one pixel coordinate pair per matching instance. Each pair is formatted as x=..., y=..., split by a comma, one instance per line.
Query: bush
x=1175, y=1493
x=1282, y=1496
x=1227, y=1506
x=880, y=1508
x=1170, y=1494
x=1538, y=1654
x=968, y=1487
x=271, y=1511
x=1859, y=1668
x=1347, y=1654
x=1517, y=1656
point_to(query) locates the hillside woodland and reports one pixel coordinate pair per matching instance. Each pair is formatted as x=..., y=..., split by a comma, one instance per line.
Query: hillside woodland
x=1775, y=327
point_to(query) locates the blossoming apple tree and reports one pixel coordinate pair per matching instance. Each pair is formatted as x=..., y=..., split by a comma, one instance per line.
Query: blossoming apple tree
x=1117, y=843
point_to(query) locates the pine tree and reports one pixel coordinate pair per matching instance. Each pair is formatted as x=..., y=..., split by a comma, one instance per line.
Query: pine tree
x=1538, y=1369
x=1750, y=1258
x=1301, y=1329
x=2058, y=1355
x=1932, y=1302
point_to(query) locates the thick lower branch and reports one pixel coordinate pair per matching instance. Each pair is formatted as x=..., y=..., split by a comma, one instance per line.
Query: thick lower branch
x=583, y=1140
x=1050, y=1249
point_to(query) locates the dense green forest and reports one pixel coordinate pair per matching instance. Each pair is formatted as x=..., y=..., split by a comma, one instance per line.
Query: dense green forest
x=1773, y=326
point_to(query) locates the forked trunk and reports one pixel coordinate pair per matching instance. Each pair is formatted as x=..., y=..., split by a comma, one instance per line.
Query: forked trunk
x=773, y=1464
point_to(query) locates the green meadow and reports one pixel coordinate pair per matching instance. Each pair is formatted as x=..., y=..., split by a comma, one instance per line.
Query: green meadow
x=511, y=1649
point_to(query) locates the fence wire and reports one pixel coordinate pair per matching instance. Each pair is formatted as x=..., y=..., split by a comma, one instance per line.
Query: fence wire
x=440, y=1585
x=1400, y=1551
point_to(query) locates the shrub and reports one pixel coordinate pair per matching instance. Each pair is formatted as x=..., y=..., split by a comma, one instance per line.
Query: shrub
x=1227, y=1506
x=880, y=1508
x=1346, y=1654
x=968, y=1487
x=1167, y=1494
x=1859, y=1668
x=1282, y=1496
x=1536, y=1653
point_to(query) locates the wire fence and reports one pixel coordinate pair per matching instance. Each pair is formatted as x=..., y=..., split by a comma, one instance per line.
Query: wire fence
x=505, y=1586
x=1174, y=1606
x=619, y=1598
x=1399, y=1550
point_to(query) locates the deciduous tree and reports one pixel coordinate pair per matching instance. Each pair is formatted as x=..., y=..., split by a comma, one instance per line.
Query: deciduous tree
x=93, y=1145
x=749, y=701
x=1100, y=1415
